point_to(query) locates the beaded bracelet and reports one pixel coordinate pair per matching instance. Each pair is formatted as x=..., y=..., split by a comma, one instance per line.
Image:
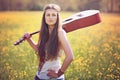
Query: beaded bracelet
x=60, y=73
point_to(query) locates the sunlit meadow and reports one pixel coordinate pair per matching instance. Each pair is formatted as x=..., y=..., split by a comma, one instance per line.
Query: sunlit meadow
x=96, y=48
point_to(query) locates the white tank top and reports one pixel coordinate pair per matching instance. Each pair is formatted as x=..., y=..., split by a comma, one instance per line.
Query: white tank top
x=52, y=65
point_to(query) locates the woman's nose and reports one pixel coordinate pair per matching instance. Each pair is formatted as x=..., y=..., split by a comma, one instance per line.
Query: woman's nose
x=50, y=16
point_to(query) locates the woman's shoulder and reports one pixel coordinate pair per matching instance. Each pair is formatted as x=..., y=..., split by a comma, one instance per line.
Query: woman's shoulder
x=61, y=32
x=62, y=35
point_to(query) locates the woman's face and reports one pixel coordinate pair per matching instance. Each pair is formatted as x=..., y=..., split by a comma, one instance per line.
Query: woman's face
x=51, y=17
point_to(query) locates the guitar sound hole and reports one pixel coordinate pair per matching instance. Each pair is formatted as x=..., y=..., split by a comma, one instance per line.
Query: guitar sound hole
x=68, y=19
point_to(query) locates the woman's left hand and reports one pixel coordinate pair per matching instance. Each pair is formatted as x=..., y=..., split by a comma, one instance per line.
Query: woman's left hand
x=52, y=74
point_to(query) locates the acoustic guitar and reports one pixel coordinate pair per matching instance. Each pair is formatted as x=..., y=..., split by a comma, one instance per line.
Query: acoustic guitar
x=77, y=21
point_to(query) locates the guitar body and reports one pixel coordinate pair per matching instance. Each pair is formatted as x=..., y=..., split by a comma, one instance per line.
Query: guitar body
x=81, y=20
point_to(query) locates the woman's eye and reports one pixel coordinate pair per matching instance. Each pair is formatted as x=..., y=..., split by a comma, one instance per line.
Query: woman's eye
x=53, y=14
x=48, y=15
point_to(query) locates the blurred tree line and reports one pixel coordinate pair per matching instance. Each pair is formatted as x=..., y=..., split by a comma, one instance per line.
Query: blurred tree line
x=66, y=5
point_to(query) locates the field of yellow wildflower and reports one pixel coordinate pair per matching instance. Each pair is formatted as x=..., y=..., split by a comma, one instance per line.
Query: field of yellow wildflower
x=96, y=48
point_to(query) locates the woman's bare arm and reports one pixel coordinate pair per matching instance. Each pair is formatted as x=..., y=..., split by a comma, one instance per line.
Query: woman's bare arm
x=31, y=42
x=67, y=49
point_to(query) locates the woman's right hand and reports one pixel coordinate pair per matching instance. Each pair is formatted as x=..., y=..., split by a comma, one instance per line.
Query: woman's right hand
x=27, y=35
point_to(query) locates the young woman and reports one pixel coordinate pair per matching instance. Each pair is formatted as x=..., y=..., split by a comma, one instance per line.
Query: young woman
x=52, y=39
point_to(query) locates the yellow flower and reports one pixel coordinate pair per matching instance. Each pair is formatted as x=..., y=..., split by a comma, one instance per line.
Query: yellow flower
x=118, y=68
x=103, y=68
x=99, y=74
x=113, y=64
x=119, y=46
x=106, y=45
x=110, y=75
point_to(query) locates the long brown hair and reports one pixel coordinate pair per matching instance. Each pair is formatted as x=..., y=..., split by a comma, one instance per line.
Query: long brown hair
x=48, y=44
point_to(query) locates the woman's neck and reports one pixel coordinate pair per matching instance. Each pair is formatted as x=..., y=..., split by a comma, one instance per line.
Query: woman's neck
x=50, y=28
